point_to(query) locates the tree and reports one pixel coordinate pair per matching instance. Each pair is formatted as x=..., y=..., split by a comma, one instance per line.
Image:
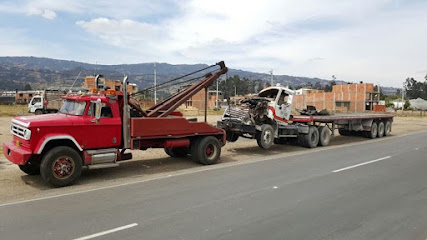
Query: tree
x=407, y=104
x=415, y=89
x=27, y=87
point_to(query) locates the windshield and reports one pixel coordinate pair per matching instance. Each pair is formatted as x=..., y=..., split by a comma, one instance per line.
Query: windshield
x=270, y=93
x=73, y=107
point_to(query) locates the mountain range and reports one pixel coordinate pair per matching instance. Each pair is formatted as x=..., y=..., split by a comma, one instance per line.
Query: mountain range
x=16, y=72
x=39, y=73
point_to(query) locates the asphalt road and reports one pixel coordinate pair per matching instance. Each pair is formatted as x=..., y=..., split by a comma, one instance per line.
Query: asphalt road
x=374, y=190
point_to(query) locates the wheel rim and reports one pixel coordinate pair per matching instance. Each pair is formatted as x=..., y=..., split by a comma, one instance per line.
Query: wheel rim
x=63, y=167
x=210, y=151
x=267, y=137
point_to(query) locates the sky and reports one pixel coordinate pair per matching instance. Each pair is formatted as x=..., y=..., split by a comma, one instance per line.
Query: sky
x=377, y=41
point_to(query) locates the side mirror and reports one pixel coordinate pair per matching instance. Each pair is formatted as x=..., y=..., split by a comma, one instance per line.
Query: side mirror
x=98, y=109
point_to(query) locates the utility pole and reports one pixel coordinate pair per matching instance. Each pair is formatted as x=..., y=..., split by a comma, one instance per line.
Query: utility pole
x=403, y=96
x=155, y=85
x=216, y=100
x=271, y=77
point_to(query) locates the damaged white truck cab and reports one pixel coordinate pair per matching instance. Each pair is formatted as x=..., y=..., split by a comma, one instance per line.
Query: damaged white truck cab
x=267, y=118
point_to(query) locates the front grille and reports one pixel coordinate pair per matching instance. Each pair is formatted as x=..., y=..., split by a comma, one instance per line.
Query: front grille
x=21, y=132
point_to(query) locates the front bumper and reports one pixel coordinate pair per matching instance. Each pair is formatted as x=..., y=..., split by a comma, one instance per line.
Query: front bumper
x=15, y=154
x=237, y=127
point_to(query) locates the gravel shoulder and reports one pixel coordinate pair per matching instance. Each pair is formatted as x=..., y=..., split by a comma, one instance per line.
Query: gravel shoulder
x=154, y=163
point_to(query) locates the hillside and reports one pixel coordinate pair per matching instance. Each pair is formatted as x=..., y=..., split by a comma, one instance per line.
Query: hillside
x=42, y=72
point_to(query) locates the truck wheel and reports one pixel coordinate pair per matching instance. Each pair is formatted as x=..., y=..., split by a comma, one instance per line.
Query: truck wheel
x=206, y=151
x=30, y=169
x=177, y=152
x=374, y=131
x=387, y=128
x=312, y=138
x=265, y=137
x=324, y=136
x=61, y=166
x=232, y=136
x=380, y=130
x=38, y=112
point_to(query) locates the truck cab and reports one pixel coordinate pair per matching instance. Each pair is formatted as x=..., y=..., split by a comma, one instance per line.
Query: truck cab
x=35, y=104
x=280, y=103
x=87, y=130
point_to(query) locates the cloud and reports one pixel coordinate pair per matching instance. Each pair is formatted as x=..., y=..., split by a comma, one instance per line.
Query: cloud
x=376, y=40
x=46, y=13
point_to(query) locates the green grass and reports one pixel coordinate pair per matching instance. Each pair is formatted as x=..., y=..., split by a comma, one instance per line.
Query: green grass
x=13, y=110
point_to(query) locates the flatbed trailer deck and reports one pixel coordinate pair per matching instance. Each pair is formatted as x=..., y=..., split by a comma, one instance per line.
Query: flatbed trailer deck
x=309, y=130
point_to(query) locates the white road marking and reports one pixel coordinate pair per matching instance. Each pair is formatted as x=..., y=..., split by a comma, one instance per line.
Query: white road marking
x=107, y=232
x=361, y=164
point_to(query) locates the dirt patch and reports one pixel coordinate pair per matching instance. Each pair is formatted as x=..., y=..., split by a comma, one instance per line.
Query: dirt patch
x=153, y=163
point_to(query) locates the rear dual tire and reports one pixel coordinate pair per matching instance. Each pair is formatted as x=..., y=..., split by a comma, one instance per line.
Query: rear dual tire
x=311, y=139
x=206, y=150
x=179, y=152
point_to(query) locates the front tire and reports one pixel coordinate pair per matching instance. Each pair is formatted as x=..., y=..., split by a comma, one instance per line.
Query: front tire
x=232, y=136
x=38, y=112
x=61, y=166
x=30, y=169
x=265, y=137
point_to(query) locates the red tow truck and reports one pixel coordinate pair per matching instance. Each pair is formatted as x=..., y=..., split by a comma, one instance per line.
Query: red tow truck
x=95, y=130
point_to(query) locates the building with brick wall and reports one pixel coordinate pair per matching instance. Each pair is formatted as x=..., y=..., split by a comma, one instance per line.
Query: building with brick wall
x=198, y=100
x=24, y=97
x=358, y=97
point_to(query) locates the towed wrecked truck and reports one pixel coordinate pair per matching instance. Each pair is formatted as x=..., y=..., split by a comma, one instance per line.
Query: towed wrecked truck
x=267, y=118
x=95, y=129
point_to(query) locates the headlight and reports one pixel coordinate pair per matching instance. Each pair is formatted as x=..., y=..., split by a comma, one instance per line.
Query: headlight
x=27, y=134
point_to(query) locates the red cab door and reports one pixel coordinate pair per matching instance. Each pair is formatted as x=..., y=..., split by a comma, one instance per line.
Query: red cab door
x=105, y=132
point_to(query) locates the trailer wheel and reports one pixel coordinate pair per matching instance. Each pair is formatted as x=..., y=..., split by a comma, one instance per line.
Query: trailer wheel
x=265, y=137
x=312, y=138
x=324, y=136
x=380, y=130
x=387, y=128
x=61, y=166
x=30, y=169
x=177, y=152
x=232, y=136
x=38, y=112
x=374, y=131
x=206, y=150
